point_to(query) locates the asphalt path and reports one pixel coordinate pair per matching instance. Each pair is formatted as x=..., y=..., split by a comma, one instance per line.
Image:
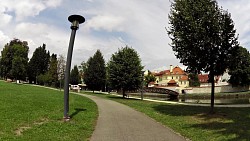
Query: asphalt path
x=118, y=122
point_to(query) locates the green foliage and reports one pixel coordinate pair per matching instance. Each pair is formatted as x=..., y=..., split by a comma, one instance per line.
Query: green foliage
x=52, y=72
x=149, y=78
x=82, y=69
x=14, y=60
x=193, y=80
x=39, y=63
x=124, y=70
x=95, y=72
x=203, y=37
x=74, y=76
x=240, y=67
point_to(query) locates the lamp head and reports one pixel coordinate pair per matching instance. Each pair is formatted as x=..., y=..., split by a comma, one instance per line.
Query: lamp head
x=76, y=20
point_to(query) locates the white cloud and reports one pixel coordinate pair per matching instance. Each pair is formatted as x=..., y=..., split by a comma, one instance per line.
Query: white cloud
x=27, y=8
x=105, y=22
x=239, y=11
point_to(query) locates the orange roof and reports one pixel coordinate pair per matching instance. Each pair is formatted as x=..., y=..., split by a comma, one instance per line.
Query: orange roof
x=162, y=72
x=184, y=78
x=172, y=82
x=178, y=70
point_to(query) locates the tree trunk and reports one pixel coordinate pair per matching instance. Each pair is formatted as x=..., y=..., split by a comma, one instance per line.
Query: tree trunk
x=123, y=93
x=212, y=93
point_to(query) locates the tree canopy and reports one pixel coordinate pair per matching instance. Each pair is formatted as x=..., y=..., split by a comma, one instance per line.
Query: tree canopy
x=14, y=60
x=95, y=72
x=240, y=67
x=193, y=80
x=74, y=76
x=39, y=63
x=203, y=37
x=125, y=70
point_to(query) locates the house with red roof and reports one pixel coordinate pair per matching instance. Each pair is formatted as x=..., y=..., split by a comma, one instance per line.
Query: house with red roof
x=203, y=78
x=174, y=77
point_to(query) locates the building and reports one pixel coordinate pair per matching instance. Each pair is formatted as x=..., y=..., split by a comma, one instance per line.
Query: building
x=203, y=78
x=174, y=77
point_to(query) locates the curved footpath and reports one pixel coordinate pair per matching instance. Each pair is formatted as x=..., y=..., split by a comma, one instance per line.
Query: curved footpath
x=118, y=122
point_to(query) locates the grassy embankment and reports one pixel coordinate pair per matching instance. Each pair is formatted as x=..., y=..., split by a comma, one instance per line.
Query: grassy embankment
x=228, y=124
x=35, y=113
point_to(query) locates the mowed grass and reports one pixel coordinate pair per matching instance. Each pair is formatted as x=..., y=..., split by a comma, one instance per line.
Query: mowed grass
x=227, y=124
x=36, y=114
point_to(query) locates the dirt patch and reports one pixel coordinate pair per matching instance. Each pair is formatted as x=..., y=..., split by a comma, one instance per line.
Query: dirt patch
x=41, y=121
x=20, y=130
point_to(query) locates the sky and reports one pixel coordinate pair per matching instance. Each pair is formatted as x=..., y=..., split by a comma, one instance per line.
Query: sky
x=109, y=26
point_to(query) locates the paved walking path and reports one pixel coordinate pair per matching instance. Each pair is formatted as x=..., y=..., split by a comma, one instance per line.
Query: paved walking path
x=118, y=122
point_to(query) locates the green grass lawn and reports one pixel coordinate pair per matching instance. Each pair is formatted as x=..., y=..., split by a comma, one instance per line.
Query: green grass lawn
x=228, y=124
x=36, y=113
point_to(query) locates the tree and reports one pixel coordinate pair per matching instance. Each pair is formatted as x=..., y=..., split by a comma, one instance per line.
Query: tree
x=61, y=66
x=124, y=70
x=39, y=63
x=203, y=37
x=74, y=76
x=149, y=78
x=14, y=59
x=95, y=72
x=240, y=67
x=52, y=71
x=82, y=69
x=193, y=80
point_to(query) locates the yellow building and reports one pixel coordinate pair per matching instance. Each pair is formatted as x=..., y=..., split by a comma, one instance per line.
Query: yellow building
x=174, y=77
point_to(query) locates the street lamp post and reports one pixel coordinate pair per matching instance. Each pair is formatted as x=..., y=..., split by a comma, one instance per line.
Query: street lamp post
x=75, y=20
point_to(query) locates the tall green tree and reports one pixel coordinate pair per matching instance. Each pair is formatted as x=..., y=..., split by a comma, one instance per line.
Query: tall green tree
x=14, y=59
x=74, y=76
x=124, y=70
x=95, y=72
x=240, y=67
x=203, y=37
x=52, y=71
x=193, y=80
x=39, y=63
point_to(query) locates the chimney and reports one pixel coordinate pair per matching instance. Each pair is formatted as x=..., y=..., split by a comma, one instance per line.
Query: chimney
x=171, y=68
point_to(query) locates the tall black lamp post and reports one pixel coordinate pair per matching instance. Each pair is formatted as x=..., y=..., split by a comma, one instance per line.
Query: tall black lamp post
x=75, y=20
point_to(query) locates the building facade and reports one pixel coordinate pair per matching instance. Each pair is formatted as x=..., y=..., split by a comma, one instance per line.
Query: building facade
x=174, y=77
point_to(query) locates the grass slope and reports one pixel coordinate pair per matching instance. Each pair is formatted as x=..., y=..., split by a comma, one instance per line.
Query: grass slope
x=35, y=113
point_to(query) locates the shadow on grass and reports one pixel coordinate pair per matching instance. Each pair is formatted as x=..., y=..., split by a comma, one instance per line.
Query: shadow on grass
x=231, y=123
x=77, y=110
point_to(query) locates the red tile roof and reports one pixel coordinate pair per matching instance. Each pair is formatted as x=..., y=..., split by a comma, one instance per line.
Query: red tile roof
x=162, y=72
x=203, y=78
x=184, y=78
x=172, y=82
x=176, y=70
